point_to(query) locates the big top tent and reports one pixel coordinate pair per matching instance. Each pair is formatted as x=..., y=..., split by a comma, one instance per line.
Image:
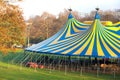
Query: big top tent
x=79, y=39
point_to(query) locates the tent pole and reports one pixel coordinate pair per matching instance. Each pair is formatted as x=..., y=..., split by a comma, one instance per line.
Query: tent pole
x=114, y=74
x=104, y=67
x=44, y=59
x=53, y=63
x=48, y=61
x=59, y=64
x=23, y=60
x=26, y=55
x=69, y=61
x=15, y=58
x=114, y=70
x=89, y=63
x=50, y=66
x=37, y=58
x=84, y=63
x=65, y=66
x=78, y=64
x=81, y=71
x=97, y=67
x=71, y=64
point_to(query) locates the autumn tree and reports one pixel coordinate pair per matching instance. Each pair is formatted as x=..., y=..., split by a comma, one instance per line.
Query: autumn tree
x=107, y=15
x=12, y=26
x=46, y=25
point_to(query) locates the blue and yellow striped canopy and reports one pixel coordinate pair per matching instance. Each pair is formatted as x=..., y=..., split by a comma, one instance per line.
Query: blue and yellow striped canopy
x=76, y=38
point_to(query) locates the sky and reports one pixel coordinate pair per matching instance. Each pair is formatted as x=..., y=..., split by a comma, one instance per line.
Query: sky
x=37, y=7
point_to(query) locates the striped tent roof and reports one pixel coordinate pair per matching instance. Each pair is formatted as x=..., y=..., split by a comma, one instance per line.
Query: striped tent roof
x=76, y=38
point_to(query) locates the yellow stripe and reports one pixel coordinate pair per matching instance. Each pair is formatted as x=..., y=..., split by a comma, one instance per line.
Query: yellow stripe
x=55, y=41
x=111, y=37
x=118, y=36
x=83, y=47
x=99, y=49
x=108, y=49
x=80, y=25
x=68, y=31
x=75, y=29
x=89, y=51
x=113, y=28
x=67, y=51
x=112, y=44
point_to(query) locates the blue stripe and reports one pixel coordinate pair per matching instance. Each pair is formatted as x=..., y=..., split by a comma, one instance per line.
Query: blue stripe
x=72, y=31
x=111, y=41
x=94, y=51
x=112, y=35
x=79, y=28
x=117, y=53
x=116, y=32
x=73, y=51
x=85, y=50
x=107, y=55
x=81, y=24
x=72, y=46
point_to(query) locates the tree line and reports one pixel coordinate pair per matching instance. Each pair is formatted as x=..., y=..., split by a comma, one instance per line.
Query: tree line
x=14, y=30
x=46, y=25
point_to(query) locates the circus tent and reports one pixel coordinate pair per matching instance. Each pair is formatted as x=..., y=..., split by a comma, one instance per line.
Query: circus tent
x=78, y=39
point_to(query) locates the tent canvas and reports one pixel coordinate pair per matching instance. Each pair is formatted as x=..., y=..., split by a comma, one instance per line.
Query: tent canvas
x=76, y=38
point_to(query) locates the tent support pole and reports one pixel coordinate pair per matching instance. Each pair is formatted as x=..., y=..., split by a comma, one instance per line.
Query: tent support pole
x=114, y=74
x=104, y=67
x=81, y=71
x=65, y=66
x=44, y=59
x=84, y=63
x=50, y=68
x=59, y=64
x=15, y=58
x=50, y=65
x=98, y=65
x=78, y=64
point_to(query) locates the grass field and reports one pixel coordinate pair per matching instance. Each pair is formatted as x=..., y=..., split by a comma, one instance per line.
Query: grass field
x=10, y=71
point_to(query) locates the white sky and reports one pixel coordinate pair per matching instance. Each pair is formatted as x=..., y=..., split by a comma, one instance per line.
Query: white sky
x=37, y=7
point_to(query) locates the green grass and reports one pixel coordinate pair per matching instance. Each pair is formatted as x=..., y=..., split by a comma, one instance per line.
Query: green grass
x=13, y=72
x=10, y=71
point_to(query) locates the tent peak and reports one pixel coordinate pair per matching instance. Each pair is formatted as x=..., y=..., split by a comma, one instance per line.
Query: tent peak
x=97, y=16
x=70, y=16
x=97, y=8
x=70, y=9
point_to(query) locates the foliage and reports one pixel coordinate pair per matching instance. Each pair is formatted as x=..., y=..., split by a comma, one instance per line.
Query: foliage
x=12, y=26
x=46, y=25
x=107, y=15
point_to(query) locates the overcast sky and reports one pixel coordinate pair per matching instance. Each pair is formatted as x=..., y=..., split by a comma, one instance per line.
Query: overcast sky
x=37, y=7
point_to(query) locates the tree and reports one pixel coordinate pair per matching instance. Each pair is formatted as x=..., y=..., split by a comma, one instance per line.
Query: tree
x=12, y=26
x=46, y=25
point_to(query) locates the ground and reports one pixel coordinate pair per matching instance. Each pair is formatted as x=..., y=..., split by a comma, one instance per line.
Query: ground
x=14, y=71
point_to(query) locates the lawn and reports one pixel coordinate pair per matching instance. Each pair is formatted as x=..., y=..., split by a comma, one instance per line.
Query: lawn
x=9, y=71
